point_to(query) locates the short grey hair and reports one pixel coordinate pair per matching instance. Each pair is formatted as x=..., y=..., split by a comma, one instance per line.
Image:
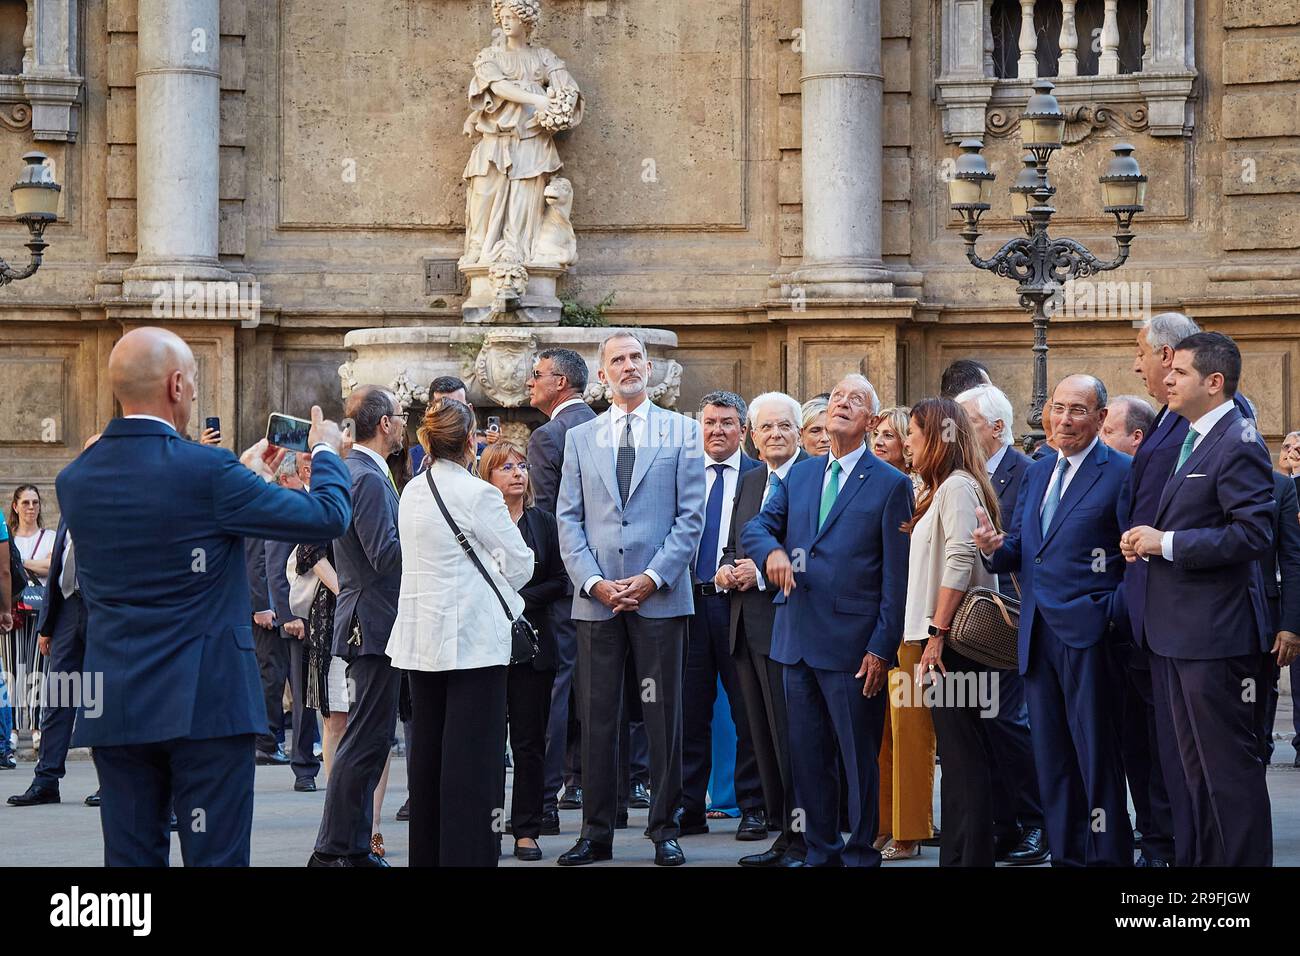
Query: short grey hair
x=811, y=409
x=622, y=334
x=865, y=383
x=994, y=406
x=570, y=364
x=725, y=399
x=288, y=467
x=776, y=398
x=1167, y=329
x=1138, y=413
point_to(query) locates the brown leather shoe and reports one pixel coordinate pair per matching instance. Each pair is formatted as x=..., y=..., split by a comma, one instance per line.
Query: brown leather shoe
x=377, y=844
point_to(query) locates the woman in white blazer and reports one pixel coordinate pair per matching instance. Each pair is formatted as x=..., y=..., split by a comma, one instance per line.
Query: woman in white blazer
x=453, y=637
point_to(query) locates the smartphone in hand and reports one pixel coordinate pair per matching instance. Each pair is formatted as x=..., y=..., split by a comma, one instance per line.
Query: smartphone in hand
x=285, y=431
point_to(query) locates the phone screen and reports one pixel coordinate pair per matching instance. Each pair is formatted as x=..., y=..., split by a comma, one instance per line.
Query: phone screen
x=285, y=431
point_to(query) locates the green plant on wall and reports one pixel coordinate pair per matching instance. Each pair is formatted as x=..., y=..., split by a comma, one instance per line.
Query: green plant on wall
x=468, y=350
x=577, y=315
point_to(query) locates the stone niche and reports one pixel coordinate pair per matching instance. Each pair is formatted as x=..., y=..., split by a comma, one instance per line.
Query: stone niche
x=373, y=104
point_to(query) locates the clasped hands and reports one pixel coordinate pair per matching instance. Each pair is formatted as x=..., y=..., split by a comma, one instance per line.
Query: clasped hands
x=625, y=594
x=1140, y=542
x=740, y=576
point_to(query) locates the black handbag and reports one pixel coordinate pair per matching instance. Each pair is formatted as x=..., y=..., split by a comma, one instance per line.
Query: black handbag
x=523, y=636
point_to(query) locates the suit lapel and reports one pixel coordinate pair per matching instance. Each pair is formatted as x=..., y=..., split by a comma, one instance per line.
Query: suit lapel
x=1089, y=472
x=656, y=436
x=1195, y=459
x=604, y=458
x=1149, y=447
x=849, y=486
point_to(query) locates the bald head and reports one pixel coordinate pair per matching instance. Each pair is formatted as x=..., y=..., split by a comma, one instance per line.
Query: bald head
x=1078, y=409
x=151, y=372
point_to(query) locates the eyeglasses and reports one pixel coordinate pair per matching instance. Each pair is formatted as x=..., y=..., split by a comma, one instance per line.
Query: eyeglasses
x=1073, y=411
x=510, y=466
x=537, y=374
x=768, y=428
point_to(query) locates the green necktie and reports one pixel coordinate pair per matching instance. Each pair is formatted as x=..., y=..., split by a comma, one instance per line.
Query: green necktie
x=829, y=493
x=1186, y=451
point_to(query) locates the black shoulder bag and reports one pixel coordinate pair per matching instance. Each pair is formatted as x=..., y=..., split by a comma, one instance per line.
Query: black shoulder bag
x=523, y=636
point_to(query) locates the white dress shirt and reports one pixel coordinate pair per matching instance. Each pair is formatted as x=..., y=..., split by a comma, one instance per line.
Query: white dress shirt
x=847, y=464
x=1202, y=426
x=1076, y=460
x=730, y=478
x=565, y=404
x=992, y=464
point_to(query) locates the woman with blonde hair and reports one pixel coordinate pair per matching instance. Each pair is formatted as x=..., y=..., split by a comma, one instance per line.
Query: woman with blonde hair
x=887, y=442
x=943, y=565
x=813, y=436
x=453, y=637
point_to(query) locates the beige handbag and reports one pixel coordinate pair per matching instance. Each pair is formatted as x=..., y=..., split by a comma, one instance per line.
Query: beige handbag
x=302, y=587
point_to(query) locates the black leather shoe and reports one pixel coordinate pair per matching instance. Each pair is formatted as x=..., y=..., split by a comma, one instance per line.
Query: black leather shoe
x=8, y=761
x=639, y=798
x=551, y=824
x=584, y=852
x=529, y=854
x=792, y=861
x=687, y=827
x=753, y=826
x=35, y=796
x=93, y=799
x=317, y=859
x=1150, y=861
x=404, y=811
x=305, y=785
x=620, y=822
x=668, y=853
x=766, y=858
x=370, y=860
x=571, y=799
x=272, y=757
x=1005, y=843
x=1031, y=851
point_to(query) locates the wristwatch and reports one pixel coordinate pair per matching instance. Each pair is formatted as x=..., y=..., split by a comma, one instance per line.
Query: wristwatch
x=938, y=631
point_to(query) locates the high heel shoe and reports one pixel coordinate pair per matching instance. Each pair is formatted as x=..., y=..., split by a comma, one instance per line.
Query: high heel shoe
x=377, y=844
x=892, y=853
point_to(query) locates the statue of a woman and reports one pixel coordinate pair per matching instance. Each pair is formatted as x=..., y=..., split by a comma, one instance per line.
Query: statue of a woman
x=521, y=96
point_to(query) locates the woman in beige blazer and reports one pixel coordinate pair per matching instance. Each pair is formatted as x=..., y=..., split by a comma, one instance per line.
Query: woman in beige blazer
x=943, y=565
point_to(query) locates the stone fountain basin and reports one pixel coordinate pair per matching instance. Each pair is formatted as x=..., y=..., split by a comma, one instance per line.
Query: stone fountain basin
x=494, y=361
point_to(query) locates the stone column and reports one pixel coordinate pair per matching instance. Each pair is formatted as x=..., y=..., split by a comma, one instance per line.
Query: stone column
x=178, y=121
x=843, y=117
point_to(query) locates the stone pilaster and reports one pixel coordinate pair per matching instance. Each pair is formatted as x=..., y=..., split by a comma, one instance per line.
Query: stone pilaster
x=178, y=94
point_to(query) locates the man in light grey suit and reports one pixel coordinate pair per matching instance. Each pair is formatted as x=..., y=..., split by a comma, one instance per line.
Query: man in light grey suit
x=630, y=515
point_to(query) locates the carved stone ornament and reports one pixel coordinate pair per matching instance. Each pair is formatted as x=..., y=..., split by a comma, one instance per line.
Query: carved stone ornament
x=665, y=394
x=503, y=365
x=408, y=393
x=348, y=378
x=1081, y=121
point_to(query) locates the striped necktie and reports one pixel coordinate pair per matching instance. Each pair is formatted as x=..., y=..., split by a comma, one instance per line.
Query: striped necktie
x=626, y=461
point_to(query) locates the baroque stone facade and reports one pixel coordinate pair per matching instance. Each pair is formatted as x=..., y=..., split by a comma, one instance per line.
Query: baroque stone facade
x=763, y=178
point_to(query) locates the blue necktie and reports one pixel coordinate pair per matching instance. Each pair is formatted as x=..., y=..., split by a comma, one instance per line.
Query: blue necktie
x=1054, y=496
x=773, y=479
x=706, y=560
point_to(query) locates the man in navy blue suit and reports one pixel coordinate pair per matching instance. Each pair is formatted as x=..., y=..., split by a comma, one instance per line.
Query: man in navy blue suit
x=1018, y=831
x=830, y=538
x=1063, y=540
x=368, y=558
x=708, y=653
x=161, y=571
x=1207, y=622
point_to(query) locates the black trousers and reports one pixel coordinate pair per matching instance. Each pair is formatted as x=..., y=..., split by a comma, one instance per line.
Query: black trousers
x=966, y=777
x=708, y=659
x=656, y=646
x=359, y=761
x=458, y=736
x=528, y=705
x=302, y=753
x=762, y=689
x=563, y=762
x=273, y=665
x=1016, y=801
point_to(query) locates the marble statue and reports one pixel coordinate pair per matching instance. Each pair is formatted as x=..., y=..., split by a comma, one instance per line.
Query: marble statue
x=520, y=96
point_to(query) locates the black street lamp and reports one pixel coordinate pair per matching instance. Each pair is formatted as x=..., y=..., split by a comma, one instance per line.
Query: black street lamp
x=36, y=202
x=1040, y=264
